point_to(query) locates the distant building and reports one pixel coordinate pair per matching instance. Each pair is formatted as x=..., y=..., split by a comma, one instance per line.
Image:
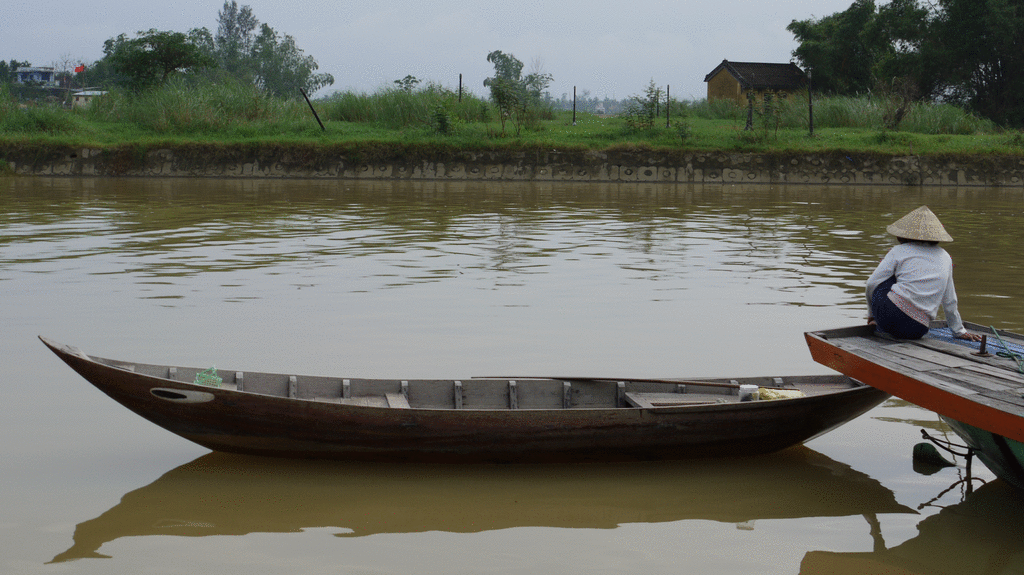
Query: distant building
x=44, y=76
x=82, y=98
x=734, y=80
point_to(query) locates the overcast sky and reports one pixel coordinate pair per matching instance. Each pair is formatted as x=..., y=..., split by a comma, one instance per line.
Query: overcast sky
x=610, y=48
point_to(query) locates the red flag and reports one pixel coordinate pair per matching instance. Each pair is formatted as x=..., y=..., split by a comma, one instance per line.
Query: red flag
x=80, y=68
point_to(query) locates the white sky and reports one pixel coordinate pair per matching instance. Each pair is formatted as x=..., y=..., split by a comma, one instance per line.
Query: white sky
x=609, y=48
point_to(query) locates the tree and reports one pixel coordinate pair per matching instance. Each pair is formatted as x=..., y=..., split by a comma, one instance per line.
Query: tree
x=407, y=84
x=236, y=35
x=977, y=50
x=281, y=68
x=257, y=54
x=517, y=97
x=964, y=51
x=895, y=36
x=642, y=111
x=835, y=48
x=151, y=57
x=7, y=70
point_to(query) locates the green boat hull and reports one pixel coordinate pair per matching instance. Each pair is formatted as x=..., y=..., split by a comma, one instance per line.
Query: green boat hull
x=1003, y=456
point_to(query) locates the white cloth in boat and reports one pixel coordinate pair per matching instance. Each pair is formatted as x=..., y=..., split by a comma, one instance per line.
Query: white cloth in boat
x=924, y=279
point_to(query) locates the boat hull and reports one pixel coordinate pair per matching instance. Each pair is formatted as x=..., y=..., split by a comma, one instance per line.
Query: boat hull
x=977, y=394
x=1004, y=457
x=229, y=420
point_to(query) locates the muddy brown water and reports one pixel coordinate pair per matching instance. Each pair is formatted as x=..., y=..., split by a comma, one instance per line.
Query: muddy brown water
x=441, y=279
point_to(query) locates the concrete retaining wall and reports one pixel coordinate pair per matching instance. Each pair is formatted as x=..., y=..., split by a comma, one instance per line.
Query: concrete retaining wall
x=535, y=165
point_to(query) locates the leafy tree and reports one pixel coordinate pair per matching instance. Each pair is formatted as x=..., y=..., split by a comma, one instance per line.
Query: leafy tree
x=516, y=96
x=281, y=68
x=836, y=49
x=407, y=84
x=642, y=111
x=977, y=50
x=152, y=56
x=7, y=70
x=255, y=53
x=895, y=35
x=236, y=35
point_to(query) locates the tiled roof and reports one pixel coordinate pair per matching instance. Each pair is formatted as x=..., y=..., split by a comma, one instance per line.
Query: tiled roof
x=762, y=76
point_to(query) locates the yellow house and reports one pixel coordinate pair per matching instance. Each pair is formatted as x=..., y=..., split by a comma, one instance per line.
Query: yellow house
x=733, y=80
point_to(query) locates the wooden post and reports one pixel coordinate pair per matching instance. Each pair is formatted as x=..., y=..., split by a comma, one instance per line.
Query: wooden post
x=668, y=104
x=574, y=105
x=460, y=88
x=312, y=110
x=810, y=103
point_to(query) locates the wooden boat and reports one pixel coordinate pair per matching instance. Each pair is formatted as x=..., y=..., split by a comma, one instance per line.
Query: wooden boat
x=493, y=419
x=977, y=392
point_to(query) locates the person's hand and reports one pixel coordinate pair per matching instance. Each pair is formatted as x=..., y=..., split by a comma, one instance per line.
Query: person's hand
x=871, y=321
x=969, y=336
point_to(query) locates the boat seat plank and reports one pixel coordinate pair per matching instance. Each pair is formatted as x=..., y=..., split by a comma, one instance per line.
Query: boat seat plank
x=651, y=400
x=361, y=400
x=397, y=400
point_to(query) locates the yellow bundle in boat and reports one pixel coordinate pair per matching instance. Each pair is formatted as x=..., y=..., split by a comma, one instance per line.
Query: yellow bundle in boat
x=208, y=377
x=768, y=393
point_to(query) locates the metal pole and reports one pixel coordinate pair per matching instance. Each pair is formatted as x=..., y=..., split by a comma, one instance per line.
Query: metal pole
x=668, y=104
x=460, y=88
x=574, y=105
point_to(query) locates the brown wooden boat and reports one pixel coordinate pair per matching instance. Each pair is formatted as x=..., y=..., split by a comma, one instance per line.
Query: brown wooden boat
x=978, y=392
x=479, y=419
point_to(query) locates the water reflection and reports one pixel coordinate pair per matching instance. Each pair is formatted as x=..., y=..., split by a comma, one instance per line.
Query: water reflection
x=795, y=241
x=222, y=494
x=982, y=534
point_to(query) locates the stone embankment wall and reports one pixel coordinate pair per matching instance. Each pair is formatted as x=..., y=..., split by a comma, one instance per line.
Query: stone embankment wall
x=548, y=165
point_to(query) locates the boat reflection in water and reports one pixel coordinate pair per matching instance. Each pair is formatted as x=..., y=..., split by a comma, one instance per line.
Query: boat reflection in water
x=982, y=534
x=224, y=494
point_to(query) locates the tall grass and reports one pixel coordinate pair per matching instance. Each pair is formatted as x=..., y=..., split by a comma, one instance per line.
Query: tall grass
x=182, y=108
x=18, y=118
x=396, y=109
x=861, y=112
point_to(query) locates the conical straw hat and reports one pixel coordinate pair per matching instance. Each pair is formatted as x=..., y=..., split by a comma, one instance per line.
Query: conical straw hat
x=920, y=224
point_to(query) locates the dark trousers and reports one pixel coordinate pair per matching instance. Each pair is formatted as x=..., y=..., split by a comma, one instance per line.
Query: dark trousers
x=890, y=318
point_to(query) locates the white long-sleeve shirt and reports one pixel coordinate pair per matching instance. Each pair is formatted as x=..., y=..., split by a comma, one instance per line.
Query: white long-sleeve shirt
x=924, y=277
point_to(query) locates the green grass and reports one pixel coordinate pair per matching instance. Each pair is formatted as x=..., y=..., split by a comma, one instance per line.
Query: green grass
x=433, y=117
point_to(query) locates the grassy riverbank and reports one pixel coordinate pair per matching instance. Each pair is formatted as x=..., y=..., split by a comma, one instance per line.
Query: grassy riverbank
x=398, y=123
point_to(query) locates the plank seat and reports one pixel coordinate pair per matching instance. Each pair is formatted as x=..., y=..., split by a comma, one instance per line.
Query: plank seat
x=397, y=400
x=651, y=400
x=362, y=400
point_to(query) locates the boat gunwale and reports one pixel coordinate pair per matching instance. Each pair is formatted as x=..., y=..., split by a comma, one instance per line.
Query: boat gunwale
x=163, y=382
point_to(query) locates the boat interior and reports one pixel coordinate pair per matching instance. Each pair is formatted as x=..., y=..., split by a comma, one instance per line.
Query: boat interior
x=498, y=393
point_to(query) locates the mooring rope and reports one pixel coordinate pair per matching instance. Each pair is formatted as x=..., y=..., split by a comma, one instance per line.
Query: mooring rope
x=1007, y=353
